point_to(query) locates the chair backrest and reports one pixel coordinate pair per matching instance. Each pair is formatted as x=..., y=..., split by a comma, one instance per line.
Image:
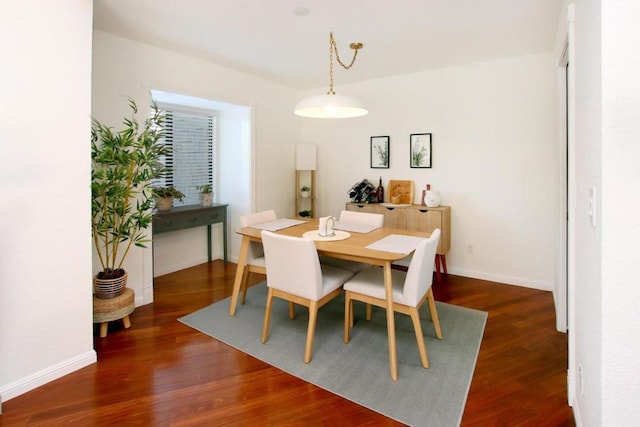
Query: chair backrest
x=420, y=274
x=292, y=265
x=365, y=218
x=257, y=218
x=255, y=248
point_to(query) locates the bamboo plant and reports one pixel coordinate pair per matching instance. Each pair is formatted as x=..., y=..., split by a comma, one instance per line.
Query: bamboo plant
x=123, y=164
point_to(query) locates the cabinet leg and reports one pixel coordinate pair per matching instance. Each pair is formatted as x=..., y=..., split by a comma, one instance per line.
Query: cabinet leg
x=441, y=263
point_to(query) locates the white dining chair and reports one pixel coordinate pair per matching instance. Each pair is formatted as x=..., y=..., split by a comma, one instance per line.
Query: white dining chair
x=410, y=290
x=352, y=217
x=294, y=274
x=255, y=262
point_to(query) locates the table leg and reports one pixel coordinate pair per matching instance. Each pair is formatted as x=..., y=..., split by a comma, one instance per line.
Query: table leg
x=391, y=327
x=242, y=257
x=209, y=242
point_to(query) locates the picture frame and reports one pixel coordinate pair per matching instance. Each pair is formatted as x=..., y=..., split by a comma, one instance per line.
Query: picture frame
x=420, y=150
x=380, y=152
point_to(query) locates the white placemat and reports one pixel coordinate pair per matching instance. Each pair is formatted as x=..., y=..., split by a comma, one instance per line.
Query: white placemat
x=338, y=235
x=356, y=228
x=397, y=243
x=278, y=224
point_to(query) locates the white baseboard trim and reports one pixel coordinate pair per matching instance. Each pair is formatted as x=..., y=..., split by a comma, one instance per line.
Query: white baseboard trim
x=44, y=376
x=509, y=280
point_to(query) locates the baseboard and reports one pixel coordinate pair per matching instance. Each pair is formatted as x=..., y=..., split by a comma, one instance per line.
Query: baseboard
x=45, y=376
x=509, y=280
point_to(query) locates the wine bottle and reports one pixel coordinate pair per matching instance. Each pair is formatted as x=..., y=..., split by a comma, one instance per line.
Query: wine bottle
x=380, y=192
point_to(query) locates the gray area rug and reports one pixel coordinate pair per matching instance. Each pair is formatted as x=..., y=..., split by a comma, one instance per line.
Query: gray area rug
x=359, y=371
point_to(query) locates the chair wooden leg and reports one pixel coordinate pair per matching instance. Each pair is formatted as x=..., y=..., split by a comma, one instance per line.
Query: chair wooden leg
x=443, y=261
x=292, y=310
x=313, y=315
x=267, y=317
x=350, y=313
x=434, y=313
x=244, y=285
x=348, y=316
x=415, y=317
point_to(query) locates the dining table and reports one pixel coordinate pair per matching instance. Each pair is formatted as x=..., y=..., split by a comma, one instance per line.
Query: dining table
x=349, y=245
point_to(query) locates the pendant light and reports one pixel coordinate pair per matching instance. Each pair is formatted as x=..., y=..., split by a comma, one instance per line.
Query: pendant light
x=332, y=106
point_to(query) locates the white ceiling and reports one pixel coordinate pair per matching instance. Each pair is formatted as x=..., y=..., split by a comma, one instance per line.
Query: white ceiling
x=266, y=38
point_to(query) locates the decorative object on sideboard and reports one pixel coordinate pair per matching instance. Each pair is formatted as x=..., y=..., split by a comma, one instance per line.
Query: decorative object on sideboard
x=305, y=191
x=123, y=165
x=363, y=192
x=380, y=152
x=400, y=191
x=164, y=197
x=380, y=192
x=420, y=150
x=430, y=198
x=332, y=106
x=206, y=194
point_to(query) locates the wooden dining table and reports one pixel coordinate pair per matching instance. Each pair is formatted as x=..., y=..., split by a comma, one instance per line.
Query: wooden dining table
x=353, y=248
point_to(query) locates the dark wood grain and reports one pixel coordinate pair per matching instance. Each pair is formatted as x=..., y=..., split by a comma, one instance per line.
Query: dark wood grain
x=160, y=372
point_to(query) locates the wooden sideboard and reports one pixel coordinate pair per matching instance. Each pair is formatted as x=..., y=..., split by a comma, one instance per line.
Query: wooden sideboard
x=190, y=216
x=415, y=217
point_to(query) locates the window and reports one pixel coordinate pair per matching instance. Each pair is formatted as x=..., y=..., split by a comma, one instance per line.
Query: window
x=191, y=135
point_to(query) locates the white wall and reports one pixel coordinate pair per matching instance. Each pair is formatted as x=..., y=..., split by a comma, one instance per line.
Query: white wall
x=273, y=138
x=493, y=130
x=494, y=159
x=45, y=244
x=606, y=343
x=620, y=205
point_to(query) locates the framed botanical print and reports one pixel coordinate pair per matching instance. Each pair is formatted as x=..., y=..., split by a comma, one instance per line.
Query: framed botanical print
x=380, y=152
x=420, y=150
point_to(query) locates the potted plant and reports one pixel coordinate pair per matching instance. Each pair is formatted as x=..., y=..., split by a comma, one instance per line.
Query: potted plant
x=305, y=213
x=206, y=194
x=123, y=163
x=164, y=197
x=305, y=191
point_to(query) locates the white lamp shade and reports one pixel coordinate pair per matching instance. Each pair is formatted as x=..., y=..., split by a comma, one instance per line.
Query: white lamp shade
x=330, y=107
x=306, y=157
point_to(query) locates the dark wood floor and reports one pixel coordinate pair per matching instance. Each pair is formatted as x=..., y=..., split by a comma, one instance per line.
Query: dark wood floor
x=161, y=372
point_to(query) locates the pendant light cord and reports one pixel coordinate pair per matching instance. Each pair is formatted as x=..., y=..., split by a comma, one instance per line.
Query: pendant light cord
x=333, y=47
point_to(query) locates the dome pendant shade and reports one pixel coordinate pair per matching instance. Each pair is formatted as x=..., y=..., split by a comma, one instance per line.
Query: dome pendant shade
x=330, y=107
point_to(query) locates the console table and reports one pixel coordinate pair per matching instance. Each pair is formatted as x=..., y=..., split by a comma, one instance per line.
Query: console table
x=190, y=216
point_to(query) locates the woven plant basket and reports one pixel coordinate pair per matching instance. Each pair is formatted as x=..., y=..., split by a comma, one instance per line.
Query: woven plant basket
x=109, y=288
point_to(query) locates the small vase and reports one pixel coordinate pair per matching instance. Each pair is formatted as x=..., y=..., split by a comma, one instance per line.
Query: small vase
x=305, y=193
x=164, y=203
x=431, y=198
x=206, y=199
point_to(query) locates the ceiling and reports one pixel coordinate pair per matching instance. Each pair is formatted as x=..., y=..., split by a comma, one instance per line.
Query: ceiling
x=267, y=38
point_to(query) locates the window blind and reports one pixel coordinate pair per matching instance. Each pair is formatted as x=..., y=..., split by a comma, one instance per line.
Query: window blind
x=191, y=136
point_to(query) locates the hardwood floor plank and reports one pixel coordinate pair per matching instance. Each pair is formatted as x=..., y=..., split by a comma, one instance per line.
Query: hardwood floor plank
x=161, y=372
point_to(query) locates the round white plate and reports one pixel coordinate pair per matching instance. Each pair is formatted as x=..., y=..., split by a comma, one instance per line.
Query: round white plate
x=338, y=235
